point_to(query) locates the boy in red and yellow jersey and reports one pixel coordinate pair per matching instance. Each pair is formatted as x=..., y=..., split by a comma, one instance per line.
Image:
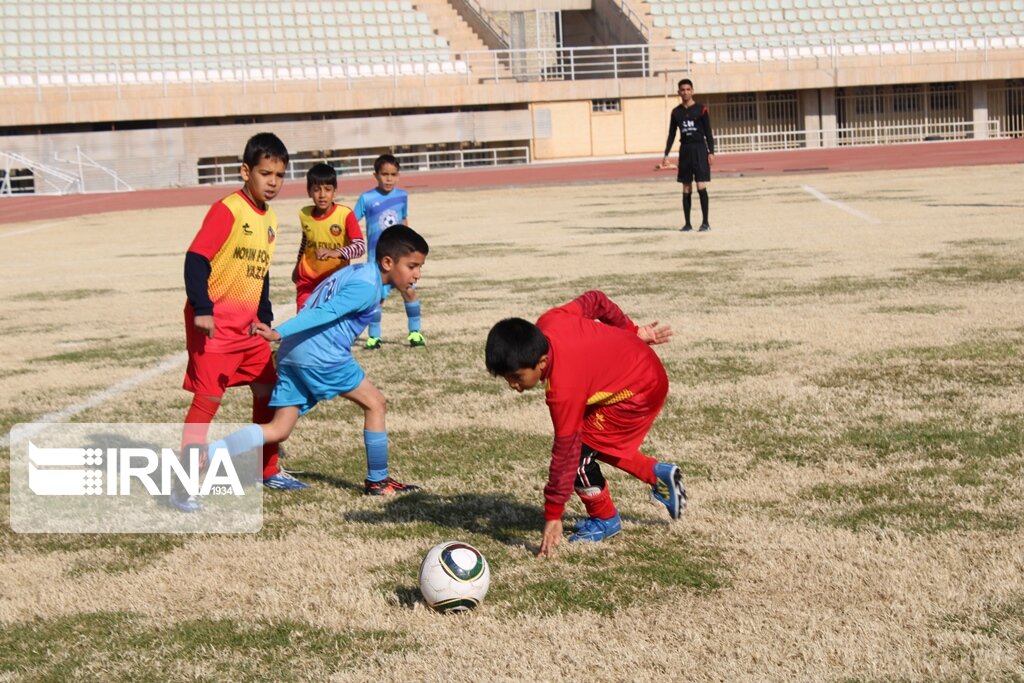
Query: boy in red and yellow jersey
x=331, y=238
x=604, y=387
x=227, y=282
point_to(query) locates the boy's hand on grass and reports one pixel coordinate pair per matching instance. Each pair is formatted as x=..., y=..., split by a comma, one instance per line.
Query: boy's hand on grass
x=263, y=330
x=652, y=334
x=205, y=323
x=552, y=536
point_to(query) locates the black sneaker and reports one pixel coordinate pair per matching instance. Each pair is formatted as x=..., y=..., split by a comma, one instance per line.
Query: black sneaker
x=686, y=228
x=704, y=227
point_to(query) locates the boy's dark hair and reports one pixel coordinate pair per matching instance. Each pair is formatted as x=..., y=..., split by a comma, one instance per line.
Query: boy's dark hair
x=386, y=159
x=685, y=81
x=321, y=174
x=264, y=146
x=513, y=344
x=398, y=241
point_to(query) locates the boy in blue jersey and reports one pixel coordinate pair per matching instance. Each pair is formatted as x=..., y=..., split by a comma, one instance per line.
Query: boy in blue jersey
x=314, y=361
x=384, y=206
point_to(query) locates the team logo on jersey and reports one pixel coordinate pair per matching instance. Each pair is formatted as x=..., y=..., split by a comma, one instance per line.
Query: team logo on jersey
x=335, y=229
x=246, y=229
x=388, y=218
x=271, y=235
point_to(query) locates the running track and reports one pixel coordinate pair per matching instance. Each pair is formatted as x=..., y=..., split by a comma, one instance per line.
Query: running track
x=888, y=157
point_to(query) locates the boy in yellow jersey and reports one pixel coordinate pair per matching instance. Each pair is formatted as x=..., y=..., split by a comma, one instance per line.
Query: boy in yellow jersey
x=227, y=283
x=331, y=237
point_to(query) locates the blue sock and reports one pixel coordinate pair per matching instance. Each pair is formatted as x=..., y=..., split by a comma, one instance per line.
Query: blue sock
x=242, y=441
x=376, y=455
x=375, y=323
x=412, y=311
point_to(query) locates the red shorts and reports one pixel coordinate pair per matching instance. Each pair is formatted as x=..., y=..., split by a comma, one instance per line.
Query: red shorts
x=619, y=428
x=210, y=374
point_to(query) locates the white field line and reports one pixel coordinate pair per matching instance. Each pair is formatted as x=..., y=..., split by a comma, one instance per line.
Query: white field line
x=25, y=231
x=99, y=397
x=821, y=196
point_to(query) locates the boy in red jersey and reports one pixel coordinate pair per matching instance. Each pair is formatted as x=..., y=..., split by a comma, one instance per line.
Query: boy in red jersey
x=331, y=238
x=227, y=283
x=604, y=388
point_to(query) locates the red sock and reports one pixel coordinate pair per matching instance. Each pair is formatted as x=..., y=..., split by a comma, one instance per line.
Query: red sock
x=640, y=466
x=197, y=420
x=262, y=413
x=598, y=505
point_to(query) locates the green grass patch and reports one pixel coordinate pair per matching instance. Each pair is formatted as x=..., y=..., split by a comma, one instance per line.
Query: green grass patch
x=629, y=571
x=920, y=309
x=715, y=369
x=111, y=553
x=994, y=362
x=122, y=646
x=835, y=287
x=132, y=353
x=937, y=439
x=977, y=262
x=61, y=295
x=621, y=573
x=925, y=500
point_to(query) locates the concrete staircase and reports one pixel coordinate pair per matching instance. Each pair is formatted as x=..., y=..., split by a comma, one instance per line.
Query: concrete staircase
x=447, y=23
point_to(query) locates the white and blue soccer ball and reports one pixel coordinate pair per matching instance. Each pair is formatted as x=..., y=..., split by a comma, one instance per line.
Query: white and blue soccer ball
x=454, y=577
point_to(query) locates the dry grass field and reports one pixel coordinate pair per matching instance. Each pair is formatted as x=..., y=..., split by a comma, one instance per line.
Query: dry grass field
x=846, y=405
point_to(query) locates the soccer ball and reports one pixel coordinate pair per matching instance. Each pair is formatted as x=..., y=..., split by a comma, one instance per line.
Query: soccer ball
x=454, y=577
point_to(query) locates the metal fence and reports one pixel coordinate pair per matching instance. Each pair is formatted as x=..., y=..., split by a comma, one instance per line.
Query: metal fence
x=434, y=160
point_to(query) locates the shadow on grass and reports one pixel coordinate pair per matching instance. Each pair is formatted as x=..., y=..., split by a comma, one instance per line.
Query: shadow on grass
x=496, y=516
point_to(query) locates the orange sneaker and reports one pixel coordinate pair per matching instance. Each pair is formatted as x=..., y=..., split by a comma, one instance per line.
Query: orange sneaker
x=388, y=487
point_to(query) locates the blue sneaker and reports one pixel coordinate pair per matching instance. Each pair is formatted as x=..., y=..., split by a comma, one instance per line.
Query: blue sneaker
x=669, y=491
x=282, y=481
x=181, y=501
x=594, y=530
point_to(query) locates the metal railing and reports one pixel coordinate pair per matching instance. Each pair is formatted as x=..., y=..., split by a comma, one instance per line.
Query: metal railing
x=488, y=21
x=853, y=136
x=433, y=160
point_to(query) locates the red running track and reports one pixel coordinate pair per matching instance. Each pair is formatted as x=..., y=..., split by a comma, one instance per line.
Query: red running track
x=885, y=157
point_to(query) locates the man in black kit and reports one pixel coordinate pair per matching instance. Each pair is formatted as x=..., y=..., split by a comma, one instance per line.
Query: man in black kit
x=696, y=150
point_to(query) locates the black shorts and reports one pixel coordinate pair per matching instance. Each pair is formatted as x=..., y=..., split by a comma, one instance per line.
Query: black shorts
x=693, y=164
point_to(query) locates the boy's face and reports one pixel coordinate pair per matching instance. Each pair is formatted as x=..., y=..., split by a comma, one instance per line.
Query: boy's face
x=264, y=180
x=527, y=378
x=403, y=273
x=323, y=196
x=686, y=92
x=387, y=177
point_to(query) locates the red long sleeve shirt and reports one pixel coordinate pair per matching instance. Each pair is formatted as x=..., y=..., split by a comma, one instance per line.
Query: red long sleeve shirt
x=595, y=359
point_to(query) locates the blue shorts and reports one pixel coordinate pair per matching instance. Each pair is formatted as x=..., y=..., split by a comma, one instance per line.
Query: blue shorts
x=305, y=387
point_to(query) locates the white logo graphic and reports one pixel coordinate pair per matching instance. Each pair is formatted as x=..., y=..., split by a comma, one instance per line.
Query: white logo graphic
x=388, y=219
x=111, y=471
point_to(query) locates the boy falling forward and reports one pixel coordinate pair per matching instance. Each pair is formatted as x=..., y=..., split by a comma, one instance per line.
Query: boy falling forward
x=384, y=206
x=331, y=237
x=315, y=363
x=604, y=388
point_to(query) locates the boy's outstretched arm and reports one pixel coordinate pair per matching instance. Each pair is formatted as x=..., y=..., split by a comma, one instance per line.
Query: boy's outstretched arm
x=653, y=334
x=596, y=305
x=350, y=298
x=567, y=418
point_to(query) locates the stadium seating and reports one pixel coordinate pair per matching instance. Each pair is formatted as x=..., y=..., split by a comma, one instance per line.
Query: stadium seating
x=107, y=41
x=747, y=30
